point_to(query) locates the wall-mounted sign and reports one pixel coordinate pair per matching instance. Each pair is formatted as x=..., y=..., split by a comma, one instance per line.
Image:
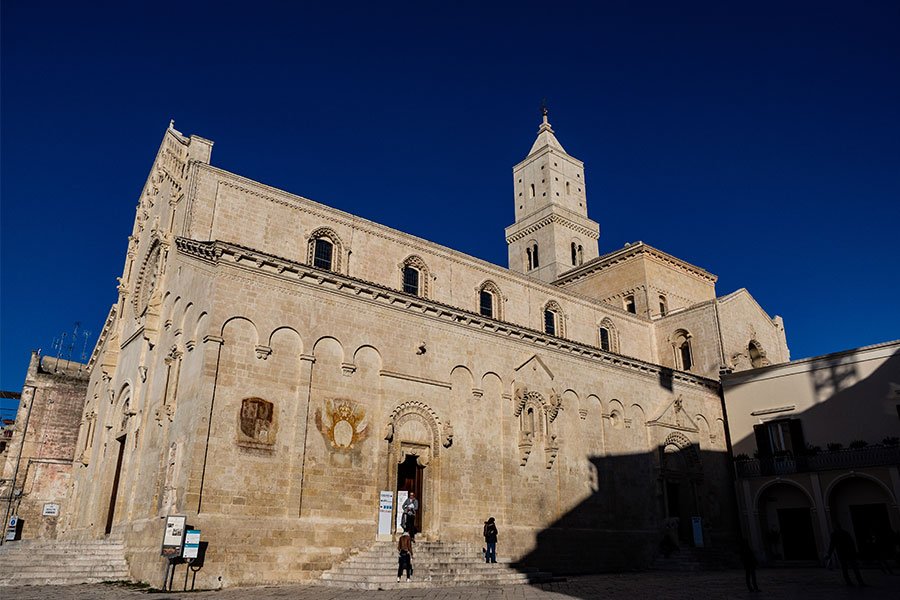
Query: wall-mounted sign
x=51, y=509
x=173, y=538
x=191, y=543
x=385, y=508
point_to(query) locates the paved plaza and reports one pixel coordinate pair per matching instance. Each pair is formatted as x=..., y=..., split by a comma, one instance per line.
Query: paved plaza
x=817, y=584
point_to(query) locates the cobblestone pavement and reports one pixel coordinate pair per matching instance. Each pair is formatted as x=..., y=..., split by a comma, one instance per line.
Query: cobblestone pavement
x=817, y=584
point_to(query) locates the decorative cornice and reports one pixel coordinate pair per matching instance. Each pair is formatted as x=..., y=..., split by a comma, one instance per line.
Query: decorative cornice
x=101, y=339
x=236, y=256
x=627, y=253
x=554, y=218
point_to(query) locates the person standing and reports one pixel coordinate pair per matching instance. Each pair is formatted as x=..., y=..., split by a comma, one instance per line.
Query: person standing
x=748, y=559
x=405, y=551
x=842, y=543
x=490, y=541
x=410, y=508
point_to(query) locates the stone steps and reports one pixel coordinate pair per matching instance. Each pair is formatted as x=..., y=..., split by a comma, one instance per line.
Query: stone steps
x=42, y=562
x=435, y=564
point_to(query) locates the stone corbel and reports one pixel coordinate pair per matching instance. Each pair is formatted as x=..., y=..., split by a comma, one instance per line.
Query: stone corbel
x=583, y=413
x=525, y=447
x=190, y=345
x=142, y=371
x=263, y=352
x=551, y=450
x=215, y=339
x=448, y=435
x=477, y=393
x=348, y=369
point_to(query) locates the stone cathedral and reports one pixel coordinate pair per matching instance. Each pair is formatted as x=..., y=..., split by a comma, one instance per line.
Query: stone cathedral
x=272, y=365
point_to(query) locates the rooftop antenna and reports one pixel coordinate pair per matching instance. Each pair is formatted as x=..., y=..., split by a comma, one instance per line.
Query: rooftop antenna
x=59, y=348
x=71, y=345
x=87, y=335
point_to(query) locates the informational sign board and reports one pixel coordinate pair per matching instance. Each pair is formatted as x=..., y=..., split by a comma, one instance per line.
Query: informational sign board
x=697, y=525
x=402, y=495
x=173, y=538
x=191, y=543
x=51, y=509
x=12, y=528
x=385, y=508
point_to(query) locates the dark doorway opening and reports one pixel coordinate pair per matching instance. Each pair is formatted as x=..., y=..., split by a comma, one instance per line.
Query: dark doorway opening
x=797, y=538
x=410, y=478
x=115, y=486
x=870, y=524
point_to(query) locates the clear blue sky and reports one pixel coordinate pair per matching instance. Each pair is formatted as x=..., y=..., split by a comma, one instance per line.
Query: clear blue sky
x=759, y=140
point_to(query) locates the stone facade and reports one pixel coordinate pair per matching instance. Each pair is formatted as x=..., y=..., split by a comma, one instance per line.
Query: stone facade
x=38, y=460
x=817, y=441
x=272, y=364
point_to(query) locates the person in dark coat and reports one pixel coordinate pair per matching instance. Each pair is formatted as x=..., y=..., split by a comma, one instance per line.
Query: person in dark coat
x=842, y=544
x=404, y=552
x=748, y=559
x=490, y=541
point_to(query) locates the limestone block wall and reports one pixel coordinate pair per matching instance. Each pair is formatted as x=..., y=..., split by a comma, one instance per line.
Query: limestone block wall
x=39, y=458
x=744, y=321
x=700, y=323
x=328, y=361
x=226, y=207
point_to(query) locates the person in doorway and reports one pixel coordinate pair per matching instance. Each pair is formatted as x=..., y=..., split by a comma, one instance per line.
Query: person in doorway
x=410, y=508
x=490, y=541
x=842, y=544
x=405, y=552
x=748, y=559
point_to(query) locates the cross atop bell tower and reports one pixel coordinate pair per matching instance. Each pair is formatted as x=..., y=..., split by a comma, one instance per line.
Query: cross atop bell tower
x=552, y=233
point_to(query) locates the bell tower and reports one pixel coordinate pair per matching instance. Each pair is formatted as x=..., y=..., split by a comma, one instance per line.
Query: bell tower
x=552, y=233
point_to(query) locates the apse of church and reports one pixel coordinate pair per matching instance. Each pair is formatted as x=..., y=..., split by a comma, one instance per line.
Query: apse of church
x=253, y=378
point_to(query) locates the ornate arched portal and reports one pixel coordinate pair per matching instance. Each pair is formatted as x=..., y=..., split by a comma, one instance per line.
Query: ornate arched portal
x=416, y=437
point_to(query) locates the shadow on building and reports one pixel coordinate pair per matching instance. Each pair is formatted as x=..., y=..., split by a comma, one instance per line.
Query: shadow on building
x=824, y=447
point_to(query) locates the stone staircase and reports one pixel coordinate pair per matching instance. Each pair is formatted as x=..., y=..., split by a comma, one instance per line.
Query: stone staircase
x=54, y=562
x=435, y=564
x=687, y=558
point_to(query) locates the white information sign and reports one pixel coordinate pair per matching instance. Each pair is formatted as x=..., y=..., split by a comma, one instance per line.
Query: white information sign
x=697, y=524
x=402, y=495
x=385, y=508
x=51, y=509
x=174, y=536
x=191, y=543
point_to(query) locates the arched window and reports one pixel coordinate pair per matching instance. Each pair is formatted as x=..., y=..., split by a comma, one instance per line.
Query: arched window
x=757, y=355
x=568, y=191
x=411, y=280
x=322, y=254
x=530, y=258
x=531, y=192
x=663, y=306
x=324, y=249
x=534, y=256
x=681, y=344
x=574, y=254
x=629, y=304
x=609, y=336
x=580, y=254
x=553, y=319
x=489, y=300
x=414, y=276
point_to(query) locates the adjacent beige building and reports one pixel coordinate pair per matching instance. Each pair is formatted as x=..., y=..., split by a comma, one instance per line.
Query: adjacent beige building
x=273, y=364
x=37, y=462
x=817, y=441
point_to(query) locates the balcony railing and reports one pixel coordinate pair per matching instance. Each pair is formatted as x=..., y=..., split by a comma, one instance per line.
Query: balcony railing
x=856, y=458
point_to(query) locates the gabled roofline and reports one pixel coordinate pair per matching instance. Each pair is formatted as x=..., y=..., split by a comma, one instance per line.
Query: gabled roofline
x=628, y=252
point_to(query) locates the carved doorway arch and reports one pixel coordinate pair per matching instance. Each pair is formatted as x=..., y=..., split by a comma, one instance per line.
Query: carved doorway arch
x=414, y=431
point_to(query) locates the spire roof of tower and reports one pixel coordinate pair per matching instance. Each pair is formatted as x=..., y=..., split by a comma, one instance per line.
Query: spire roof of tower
x=545, y=137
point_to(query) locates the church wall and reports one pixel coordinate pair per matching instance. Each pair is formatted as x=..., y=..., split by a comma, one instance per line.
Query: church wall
x=742, y=320
x=614, y=282
x=366, y=358
x=681, y=289
x=257, y=221
x=700, y=323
